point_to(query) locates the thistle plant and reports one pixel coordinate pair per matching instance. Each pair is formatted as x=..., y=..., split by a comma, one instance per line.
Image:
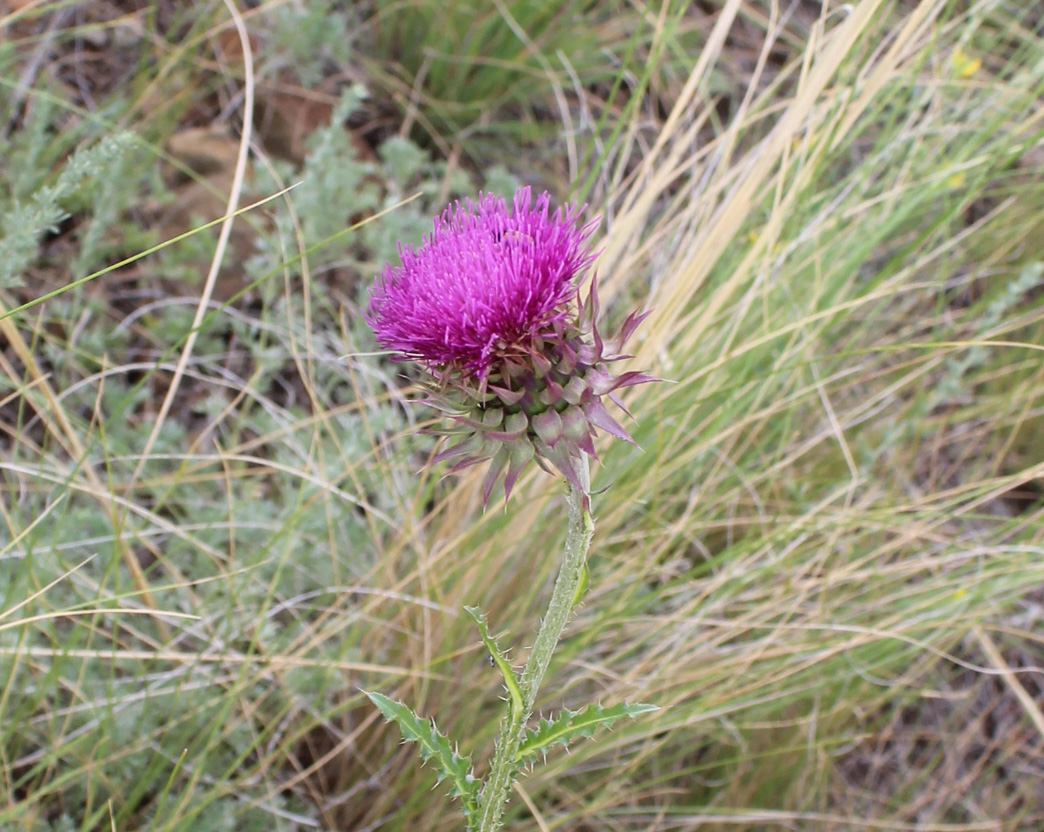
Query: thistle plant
x=491, y=306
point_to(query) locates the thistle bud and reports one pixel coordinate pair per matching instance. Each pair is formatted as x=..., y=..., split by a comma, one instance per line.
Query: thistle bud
x=490, y=305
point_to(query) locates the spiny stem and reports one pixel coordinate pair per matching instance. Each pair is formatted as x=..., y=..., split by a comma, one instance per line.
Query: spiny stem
x=578, y=541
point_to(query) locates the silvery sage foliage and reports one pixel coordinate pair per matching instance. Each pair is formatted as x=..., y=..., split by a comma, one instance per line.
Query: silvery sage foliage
x=491, y=305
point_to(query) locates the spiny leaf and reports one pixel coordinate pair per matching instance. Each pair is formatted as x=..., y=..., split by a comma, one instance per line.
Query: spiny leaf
x=433, y=746
x=514, y=689
x=571, y=725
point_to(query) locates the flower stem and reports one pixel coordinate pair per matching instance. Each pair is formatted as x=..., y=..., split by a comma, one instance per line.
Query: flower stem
x=578, y=541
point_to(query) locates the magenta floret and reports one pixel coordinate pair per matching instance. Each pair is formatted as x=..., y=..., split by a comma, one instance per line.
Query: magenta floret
x=486, y=283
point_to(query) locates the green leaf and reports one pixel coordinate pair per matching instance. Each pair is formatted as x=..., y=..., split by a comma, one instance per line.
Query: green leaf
x=508, y=672
x=581, y=588
x=433, y=746
x=572, y=725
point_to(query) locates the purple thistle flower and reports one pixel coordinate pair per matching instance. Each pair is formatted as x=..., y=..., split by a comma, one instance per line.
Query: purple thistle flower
x=487, y=305
x=485, y=283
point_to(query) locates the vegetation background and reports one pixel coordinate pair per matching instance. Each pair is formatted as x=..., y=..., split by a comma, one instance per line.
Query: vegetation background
x=825, y=564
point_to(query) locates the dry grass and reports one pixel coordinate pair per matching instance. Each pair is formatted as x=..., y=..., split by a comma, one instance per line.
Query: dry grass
x=824, y=565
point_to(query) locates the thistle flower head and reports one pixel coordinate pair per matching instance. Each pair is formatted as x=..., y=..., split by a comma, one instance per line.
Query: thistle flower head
x=490, y=304
x=484, y=285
